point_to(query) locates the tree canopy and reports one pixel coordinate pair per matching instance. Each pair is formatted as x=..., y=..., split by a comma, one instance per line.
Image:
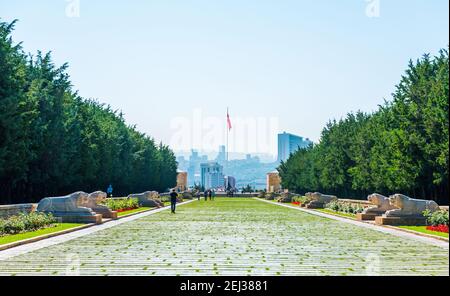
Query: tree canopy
x=402, y=147
x=54, y=142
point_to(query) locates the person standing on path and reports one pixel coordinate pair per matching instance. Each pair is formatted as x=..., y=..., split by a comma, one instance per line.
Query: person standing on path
x=210, y=194
x=173, y=200
x=213, y=194
x=109, y=191
x=197, y=194
x=206, y=195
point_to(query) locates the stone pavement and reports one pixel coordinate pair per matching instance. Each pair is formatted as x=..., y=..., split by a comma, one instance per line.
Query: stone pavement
x=232, y=236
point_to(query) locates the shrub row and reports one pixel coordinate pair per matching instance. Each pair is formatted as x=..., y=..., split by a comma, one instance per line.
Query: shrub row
x=301, y=199
x=436, y=218
x=122, y=204
x=344, y=207
x=25, y=223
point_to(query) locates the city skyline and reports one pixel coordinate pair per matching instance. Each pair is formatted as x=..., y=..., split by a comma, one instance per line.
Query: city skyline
x=219, y=154
x=251, y=170
x=260, y=59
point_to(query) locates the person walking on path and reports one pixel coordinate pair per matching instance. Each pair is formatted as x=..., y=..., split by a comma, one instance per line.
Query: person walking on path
x=210, y=194
x=197, y=194
x=173, y=200
x=206, y=195
x=213, y=194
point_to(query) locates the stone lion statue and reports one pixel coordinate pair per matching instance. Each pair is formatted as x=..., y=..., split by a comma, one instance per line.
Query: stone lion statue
x=321, y=198
x=381, y=202
x=94, y=201
x=409, y=207
x=148, y=199
x=69, y=205
x=285, y=197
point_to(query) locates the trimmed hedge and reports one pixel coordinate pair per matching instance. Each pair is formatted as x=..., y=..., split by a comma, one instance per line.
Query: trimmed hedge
x=344, y=207
x=25, y=223
x=436, y=218
x=122, y=204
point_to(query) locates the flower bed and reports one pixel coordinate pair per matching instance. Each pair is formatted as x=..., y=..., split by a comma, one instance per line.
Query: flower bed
x=122, y=205
x=438, y=228
x=301, y=200
x=25, y=223
x=437, y=221
x=436, y=218
x=344, y=207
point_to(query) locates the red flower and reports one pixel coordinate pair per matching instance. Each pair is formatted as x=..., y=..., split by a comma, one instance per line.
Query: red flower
x=438, y=228
x=125, y=209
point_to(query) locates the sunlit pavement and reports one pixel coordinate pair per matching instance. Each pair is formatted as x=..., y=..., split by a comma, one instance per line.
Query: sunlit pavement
x=233, y=236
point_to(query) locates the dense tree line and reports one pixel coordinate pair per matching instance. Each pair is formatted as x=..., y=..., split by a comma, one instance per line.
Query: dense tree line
x=402, y=147
x=54, y=142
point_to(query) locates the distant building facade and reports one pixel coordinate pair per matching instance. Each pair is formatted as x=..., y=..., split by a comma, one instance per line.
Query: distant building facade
x=193, y=169
x=289, y=143
x=273, y=182
x=222, y=156
x=229, y=182
x=211, y=175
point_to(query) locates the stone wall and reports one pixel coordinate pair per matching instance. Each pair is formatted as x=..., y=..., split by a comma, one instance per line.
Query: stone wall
x=11, y=210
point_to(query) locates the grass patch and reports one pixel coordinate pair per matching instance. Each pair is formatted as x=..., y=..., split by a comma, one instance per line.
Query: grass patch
x=138, y=210
x=423, y=229
x=21, y=236
x=345, y=215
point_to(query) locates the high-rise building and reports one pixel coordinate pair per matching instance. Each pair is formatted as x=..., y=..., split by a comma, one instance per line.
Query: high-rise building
x=183, y=164
x=193, y=168
x=211, y=175
x=289, y=143
x=229, y=182
x=221, y=157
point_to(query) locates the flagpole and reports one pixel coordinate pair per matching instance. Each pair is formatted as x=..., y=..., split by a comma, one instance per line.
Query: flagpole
x=228, y=131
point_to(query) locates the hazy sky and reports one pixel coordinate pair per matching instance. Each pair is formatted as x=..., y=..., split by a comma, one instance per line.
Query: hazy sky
x=173, y=67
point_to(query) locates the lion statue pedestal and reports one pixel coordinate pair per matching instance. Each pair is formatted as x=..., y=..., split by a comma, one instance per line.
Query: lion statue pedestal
x=69, y=208
x=381, y=205
x=407, y=211
x=318, y=200
x=148, y=199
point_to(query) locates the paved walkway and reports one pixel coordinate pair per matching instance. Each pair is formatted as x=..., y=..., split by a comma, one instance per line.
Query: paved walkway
x=384, y=229
x=232, y=237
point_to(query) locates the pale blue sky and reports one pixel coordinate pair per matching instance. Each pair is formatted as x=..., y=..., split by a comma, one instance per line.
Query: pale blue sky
x=304, y=62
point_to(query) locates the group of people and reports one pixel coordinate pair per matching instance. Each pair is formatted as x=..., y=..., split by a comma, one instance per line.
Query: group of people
x=210, y=193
